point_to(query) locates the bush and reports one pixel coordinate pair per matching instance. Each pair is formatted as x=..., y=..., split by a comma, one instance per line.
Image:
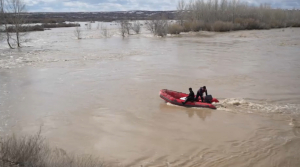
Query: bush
x=277, y=24
x=175, y=29
x=193, y=26
x=251, y=24
x=207, y=27
x=293, y=24
x=220, y=26
x=158, y=26
x=136, y=27
x=187, y=26
x=32, y=151
x=197, y=26
x=237, y=26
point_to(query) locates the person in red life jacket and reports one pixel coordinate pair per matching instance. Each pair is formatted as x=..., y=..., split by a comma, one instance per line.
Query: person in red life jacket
x=191, y=97
x=200, y=93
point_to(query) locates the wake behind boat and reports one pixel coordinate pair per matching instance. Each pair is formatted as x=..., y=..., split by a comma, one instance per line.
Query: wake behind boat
x=177, y=98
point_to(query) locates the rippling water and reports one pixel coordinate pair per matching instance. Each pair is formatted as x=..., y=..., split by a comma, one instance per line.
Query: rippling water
x=100, y=96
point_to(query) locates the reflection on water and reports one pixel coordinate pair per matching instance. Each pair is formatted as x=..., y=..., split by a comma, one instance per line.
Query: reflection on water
x=100, y=96
x=201, y=113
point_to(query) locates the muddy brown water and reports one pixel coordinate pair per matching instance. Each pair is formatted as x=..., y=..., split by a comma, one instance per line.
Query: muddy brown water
x=100, y=96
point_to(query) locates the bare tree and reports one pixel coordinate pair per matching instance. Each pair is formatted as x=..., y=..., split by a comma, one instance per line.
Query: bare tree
x=104, y=31
x=17, y=17
x=4, y=22
x=89, y=26
x=181, y=11
x=127, y=26
x=98, y=26
x=158, y=26
x=136, y=27
x=77, y=32
x=124, y=27
x=1, y=19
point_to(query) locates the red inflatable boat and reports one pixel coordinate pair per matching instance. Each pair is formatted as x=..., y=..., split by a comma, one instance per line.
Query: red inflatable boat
x=177, y=98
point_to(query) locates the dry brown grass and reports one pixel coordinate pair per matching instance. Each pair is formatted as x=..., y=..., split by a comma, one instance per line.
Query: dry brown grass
x=32, y=151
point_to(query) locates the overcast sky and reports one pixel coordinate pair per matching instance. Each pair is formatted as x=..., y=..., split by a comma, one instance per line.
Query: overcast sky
x=123, y=5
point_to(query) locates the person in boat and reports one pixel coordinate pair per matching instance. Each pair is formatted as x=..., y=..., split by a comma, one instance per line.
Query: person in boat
x=200, y=93
x=190, y=97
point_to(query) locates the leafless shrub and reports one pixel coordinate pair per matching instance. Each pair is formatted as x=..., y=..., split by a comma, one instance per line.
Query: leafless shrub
x=4, y=22
x=104, y=31
x=158, y=26
x=125, y=27
x=181, y=6
x=293, y=24
x=207, y=27
x=1, y=36
x=77, y=32
x=98, y=26
x=34, y=152
x=220, y=26
x=25, y=151
x=16, y=14
x=237, y=27
x=1, y=12
x=187, y=26
x=251, y=24
x=277, y=24
x=136, y=27
x=175, y=29
x=88, y=26
x=1, y=20
x=194, y=25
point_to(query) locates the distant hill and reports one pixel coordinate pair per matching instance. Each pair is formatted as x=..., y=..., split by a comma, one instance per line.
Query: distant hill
x=42, y=17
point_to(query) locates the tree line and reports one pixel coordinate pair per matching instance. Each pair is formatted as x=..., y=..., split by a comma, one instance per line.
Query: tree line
x=228, y=15
x=222, y=16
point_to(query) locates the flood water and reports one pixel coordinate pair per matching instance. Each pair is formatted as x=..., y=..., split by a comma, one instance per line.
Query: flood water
x=100, y=96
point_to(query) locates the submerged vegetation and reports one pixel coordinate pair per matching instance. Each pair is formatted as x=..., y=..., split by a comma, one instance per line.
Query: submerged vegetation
x=230, y=15
x=40, y=27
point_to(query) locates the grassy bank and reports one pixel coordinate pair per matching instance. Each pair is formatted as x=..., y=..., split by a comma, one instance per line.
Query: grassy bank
x=32, y=151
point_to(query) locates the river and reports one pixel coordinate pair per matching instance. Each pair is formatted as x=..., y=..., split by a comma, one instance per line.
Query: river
x=100, y=96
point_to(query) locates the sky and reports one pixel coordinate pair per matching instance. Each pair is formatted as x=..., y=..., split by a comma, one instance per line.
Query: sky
x=125, y=5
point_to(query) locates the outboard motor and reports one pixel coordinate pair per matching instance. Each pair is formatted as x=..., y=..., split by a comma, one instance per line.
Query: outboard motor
x=208, y=99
